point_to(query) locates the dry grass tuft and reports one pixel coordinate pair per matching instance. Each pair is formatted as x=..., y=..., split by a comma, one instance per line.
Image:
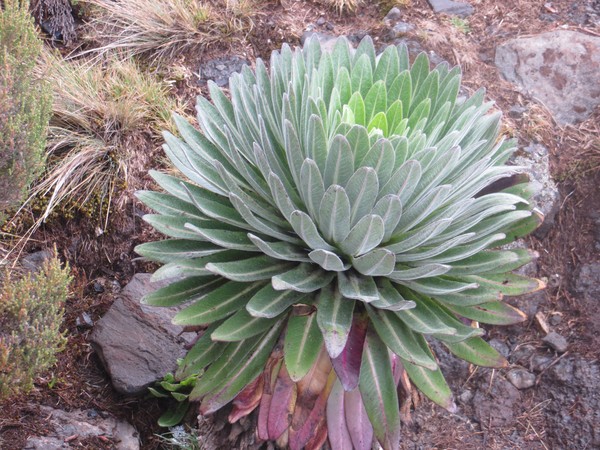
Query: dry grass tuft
x=97, y=111
x=342, y=6
x=162, y=29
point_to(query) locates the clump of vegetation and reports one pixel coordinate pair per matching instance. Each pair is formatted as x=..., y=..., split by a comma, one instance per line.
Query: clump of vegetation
x=31, y=315
x=25, y=104
x=344, y=5
x=460, y=24
x=97, y=111
x=331, y=214
x=162, y=29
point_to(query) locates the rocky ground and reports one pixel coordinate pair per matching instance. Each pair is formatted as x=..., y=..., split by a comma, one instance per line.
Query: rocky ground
x=540, y=62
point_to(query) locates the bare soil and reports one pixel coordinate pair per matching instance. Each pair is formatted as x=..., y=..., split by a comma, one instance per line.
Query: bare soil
x=535, y=418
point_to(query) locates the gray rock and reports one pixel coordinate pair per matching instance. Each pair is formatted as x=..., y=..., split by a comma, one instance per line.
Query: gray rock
x=327, y=41
x=137, y=343
x=78, y=425
x=522, y=355
x=393, y=14
x=500, y=346
x=451, y=7
x=465, y=396
x=220, y=69
x=588, y=279
x=535, y=158
x=34, y=262
x=495, y=406
x=558, y=68
x=521, y=379
x=556, y=341
x=540, y=362
x=401, y=28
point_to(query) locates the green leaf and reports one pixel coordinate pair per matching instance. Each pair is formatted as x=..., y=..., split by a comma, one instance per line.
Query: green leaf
x=174, y=415
x=431, y=382
x=252, y=269
x=220, y=303
x=378, y=391
x=280, y=250
x=307, y=230
x=378, y=262
x=399, y=338
x=375, y=101
x=270, y=303
x=476, y=351
x=362, y=75
x=174, y=226
x=494, y=313
x=378, y=123
x=311, y=186
x=316, y=141
x=182, y=291
x=381, y=158
x=304, y=278
x=244, y=372
x=388, y=66
x=328, y=260
x=364, y=236
x=169, y=205
x=362, y=190
x=404, y=273
x=389, y=208
x=334, y=214
x=339, y=166
x=357, y=287
x=507, y=283
x=302, y=344
x=242, y=326
x=334, y=317
x=171, y=249
x=204, y=352
x=390, y=298
x=234, y=240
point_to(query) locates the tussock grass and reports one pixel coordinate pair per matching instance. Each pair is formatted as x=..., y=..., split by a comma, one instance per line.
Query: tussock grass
x=344, y=5
x=98, y=110
x=162, y=29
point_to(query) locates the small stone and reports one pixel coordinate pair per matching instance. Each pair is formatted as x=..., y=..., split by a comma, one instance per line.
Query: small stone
x=500, y=346
x=522, y=354
x=521, y=379
x=35, y=261
x=98, y=288
x=220, y=67
x=540, y=362
x=451, y=7
x=555, y=319
x=465, y=396
x=393, y=14
x=517, y=111
x=329, y=26
x=402, y=28
x=84, y=321
x=556, y=341
x=321, y=21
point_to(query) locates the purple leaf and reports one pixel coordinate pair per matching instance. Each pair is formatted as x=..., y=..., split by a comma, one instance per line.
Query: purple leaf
x=282, y=405
x=347, y=364
x=359, y=425
x=339, y=436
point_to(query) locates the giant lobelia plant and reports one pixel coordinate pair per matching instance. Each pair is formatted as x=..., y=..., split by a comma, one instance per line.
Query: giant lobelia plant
x=332, y=218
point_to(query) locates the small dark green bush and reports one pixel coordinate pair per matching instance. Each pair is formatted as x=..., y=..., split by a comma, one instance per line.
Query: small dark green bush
x=31, y=314
x=25, y=104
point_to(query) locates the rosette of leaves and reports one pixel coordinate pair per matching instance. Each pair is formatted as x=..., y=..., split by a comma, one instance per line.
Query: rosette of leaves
x=335, y=214
x=177, y=392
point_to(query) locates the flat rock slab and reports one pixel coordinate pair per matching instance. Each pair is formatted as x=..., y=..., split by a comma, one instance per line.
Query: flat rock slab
x=138, y=344
x=67, y=430
x=559, y=68
x=450, y=7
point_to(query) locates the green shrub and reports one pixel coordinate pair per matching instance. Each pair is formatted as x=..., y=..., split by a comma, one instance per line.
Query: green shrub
x=31, y=314
x=25, y=104
x=332, y=213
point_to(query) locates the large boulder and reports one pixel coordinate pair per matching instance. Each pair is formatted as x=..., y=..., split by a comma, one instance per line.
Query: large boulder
x=137, y=343
x=559, y=68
